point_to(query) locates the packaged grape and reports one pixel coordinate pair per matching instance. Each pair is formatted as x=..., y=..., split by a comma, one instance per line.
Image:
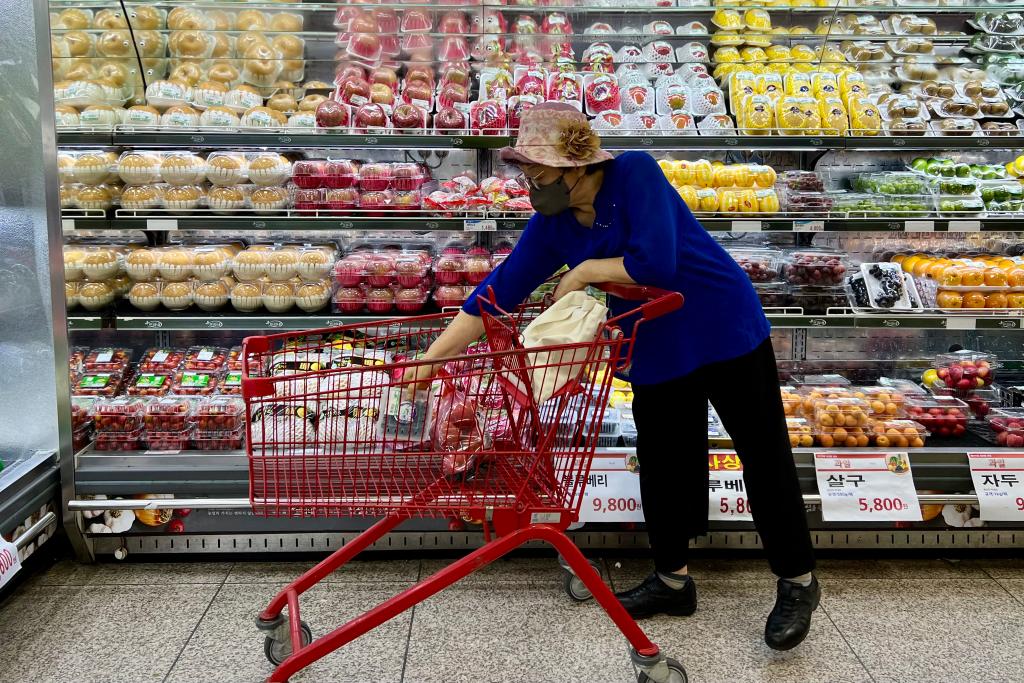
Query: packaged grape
x=92, y=383
x=885, y=285
x=118, y=441
x=107, y=359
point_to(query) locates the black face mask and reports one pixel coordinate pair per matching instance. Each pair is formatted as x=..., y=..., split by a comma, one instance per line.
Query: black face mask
x=553, y=198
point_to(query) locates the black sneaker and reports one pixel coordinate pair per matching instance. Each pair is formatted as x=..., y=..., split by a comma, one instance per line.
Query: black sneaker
x=790, y=619
x=653, y=596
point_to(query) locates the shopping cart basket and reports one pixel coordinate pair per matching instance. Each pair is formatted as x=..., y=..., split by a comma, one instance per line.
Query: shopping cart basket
x=504, y=435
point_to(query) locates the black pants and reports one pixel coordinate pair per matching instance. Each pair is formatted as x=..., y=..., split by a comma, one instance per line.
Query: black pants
x=672, y=447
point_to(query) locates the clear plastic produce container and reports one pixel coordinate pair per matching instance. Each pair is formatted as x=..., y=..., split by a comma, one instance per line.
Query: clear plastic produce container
x=122, y=414
x=168, y=414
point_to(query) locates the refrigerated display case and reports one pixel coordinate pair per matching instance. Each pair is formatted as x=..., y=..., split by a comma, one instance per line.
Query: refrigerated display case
x=230, y=168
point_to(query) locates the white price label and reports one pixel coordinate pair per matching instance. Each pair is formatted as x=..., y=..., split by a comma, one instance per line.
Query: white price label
x=727, y=492
x=809, y=226
x=9, y=562
x=866, y=487
x=919, y=226
x=161, y=224
x=480, y=225
x=612, y=492
x=964, y=226
x=67, y=224
x=746, y=226
x=999, y=483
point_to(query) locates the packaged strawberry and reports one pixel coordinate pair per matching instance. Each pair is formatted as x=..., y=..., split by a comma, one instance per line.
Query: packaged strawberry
x=205, y=358
x=161, y=359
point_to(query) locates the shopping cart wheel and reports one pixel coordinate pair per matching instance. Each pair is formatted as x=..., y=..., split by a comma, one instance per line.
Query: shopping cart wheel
x=279, y=650
x=574, y=586
x=676, y=674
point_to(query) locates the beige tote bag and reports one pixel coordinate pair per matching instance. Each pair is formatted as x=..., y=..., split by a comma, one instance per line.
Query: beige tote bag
x=573, y=319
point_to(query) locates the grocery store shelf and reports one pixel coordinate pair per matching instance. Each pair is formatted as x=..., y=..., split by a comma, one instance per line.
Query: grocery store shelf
x=790, y=318
x=225, y=474
x=392, y=140
x=27, y=485
x=122, y=219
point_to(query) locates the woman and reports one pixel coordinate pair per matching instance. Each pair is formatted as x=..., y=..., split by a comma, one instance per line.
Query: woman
x=619, y=220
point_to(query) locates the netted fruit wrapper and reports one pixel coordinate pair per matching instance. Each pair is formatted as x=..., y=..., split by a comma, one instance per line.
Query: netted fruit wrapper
x=717, y=124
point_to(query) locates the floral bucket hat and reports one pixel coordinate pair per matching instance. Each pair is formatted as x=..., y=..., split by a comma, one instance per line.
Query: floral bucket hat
x=555, y=134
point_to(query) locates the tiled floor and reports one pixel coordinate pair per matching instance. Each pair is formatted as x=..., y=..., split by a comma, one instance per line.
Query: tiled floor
x=927, y=621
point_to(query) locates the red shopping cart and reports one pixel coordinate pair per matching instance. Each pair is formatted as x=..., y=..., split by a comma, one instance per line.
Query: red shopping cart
x=504, y=435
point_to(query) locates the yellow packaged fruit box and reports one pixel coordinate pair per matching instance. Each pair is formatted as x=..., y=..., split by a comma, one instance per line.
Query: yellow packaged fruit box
x=758, y=115
x=757, y=20
x=834, y=119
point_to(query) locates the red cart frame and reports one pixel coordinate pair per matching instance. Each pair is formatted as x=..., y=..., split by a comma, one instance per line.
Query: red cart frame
x=504, y=435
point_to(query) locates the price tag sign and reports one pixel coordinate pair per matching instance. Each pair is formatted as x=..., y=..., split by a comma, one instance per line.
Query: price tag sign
x=727, y=493
x=612, y=492
x=9, y=562
x=480, y=225
x=866, y=487
x=999, y=483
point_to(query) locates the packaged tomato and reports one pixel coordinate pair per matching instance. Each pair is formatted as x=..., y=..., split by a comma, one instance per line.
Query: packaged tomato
x=98, y=384
x=205, y=358
x=219, y=441
x=169, y=441
x=151, y=384
x=219, y=413
x=235, y=358
x=122, y=414
x=118, y=441
x=168, y=414
x=81, y=412
x=161, y=360
x=194, y=383
x=232, y=383
x=107, y=359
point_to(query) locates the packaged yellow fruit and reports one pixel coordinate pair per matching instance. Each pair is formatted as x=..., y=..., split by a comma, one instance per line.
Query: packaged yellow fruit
x=748, y=202
x=798, y=84
x=764, y=175
x=668, y=167
x=804, y=67
x=741, y=84
x=758, y=115
x=789, y=115
x=776, y=3
x=689, y=195
x=802, y=53
x=824, y=84
x=755, y=39
x=1011, y=169
x=729, y=201
x=723, y=71
x=685, y=173
x=757, y=20
x=780, y=31
x=1018, y=164
x=726, y=55
x=812, y=116
x=865, y=119
x=834, y=119
x=778, y=53
x=824, y=26
x=725, y=176
x=799, y=30
x=726, y=3
x=753, y=54
x=767, y=201
x=728, y=19
x=743, y=176
x=703, y=173
x=770, y=84
x=758, y=68
x=707, y=200
x=829, y=56
x=725, y=38
x=852, y=85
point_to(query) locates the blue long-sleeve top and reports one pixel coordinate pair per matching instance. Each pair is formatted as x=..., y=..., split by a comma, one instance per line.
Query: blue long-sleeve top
x=642, y=218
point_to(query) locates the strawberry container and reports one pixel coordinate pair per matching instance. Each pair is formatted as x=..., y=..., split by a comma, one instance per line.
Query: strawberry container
x=118, y=441
x=169, y=441
x=204, y=440
x=168, y=414
x=122, y=414
x=161, y=360
x=107, y=360
x=219, y=413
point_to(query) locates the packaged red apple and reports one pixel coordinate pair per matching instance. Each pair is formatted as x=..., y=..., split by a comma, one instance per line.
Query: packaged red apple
x=376, y=202
x=122, y=414
x=410, y=299
x=380, y=299
x=451, y=269
x=118, y=441
x=194, y=383
x=152, y=383
x=332, y=115
x=454, y=48
x=450, y=118
x=206, y=358
x=369, y=117
x=419, y=93
x=943, y=416
x=168, y=414
x=487, y=117
x=366, y=47
x=107, y=359
x=410, y=117
x=565, y=87
x=219, y=441
x=451, y=296
x=375, y=176
x=349, y=300
x=966, y=370
x=1008, y=425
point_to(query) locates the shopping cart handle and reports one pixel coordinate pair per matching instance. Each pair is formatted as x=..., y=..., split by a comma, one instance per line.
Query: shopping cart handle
x=659, y=301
